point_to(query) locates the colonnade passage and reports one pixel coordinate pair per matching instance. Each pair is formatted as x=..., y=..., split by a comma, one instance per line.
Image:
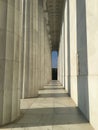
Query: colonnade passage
x=30, y=30
x=52, y=110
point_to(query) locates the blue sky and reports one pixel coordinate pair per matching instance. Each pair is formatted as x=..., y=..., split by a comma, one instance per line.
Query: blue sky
x=54, y=59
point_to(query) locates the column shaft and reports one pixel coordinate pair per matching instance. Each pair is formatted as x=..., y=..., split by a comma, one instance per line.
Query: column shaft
x=9, y=60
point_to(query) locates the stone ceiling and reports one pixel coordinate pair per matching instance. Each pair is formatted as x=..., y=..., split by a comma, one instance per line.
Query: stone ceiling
x=54, y=8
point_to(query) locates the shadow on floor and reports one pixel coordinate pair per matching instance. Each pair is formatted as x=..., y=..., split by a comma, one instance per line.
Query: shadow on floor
x=54, y=85
x=53, y=95
x=49, y=116
x=54, y=88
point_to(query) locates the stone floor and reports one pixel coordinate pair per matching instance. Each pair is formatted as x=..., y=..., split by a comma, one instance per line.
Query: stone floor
x=52, y=110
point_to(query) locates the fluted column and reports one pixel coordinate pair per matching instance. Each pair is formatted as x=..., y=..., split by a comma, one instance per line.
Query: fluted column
x=3, y=24
x=47, y=56
x=40, y=40
x=62, y=54
x=58, y=68
x=42, y=45
x=60, y=63
x=31, y=51
x=35, y=48
x=49, y=63
x=26, y=49
x=67, y=48
x=16, y=60
x=21, y=46
x=9, y=60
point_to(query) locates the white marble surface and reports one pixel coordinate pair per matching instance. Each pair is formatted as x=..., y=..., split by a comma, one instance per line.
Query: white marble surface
x=52, y=110
x=9, y=60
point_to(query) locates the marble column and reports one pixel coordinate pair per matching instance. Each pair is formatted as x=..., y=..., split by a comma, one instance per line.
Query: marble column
x=26, y=49
x=45, y=60
x=45, y=54
x=58, y=68
x=42, y=45
x=21, y=46
x=39, y=43
x=62, y=55
x=16, y=61
x=50, y=62
x=47, y=57
x=9, y=61
x=67, y=49
x=90, y=15
x=35, y=49
x=31, y=51
x=60, y=63
x=72, y=48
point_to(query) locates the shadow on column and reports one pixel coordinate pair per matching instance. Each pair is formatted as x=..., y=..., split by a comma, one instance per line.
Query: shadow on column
x=82, y=79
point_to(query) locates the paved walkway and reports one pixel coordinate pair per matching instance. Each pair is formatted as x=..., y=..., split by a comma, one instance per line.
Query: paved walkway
x=52, y=110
